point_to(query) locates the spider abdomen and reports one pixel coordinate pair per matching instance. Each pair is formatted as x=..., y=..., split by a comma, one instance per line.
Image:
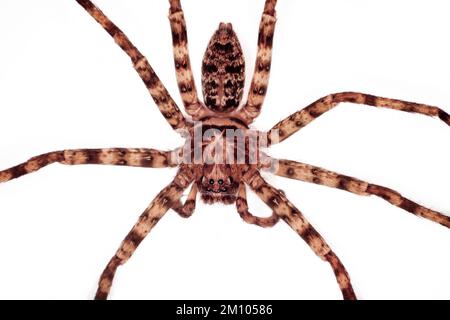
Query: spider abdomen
x=223, y=70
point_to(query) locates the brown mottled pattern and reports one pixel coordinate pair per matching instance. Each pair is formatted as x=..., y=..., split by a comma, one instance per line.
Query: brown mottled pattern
x=187, y=209
x=298, y=120
x=111, y=156
x=159, y=93
x=313, y=174
x=185, y=77
x=342, y=276
x=260, y=80
x=309, y=173
x=295, y=219
x=120, y=156
x=107, y=277
x=223, y=71
x=242, y=208
x=31, y=165
x=148, y=219
x=398, y=200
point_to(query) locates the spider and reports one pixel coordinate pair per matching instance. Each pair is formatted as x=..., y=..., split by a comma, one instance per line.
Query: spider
x=204, y=164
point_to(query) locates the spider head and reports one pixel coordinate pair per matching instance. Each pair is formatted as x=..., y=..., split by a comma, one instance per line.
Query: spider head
x=223, y=71
x=218, y=183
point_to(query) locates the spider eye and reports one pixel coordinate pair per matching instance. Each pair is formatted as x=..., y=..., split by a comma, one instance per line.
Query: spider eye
x=211, y=181
x=209, y=190
x=220, y=181
x=223, y=189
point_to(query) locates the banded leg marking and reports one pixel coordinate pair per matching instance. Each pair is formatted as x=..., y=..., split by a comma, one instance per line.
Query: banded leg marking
x=185, y=77
x=159, y=93
x=187, y=209
x=309, y=173
x=242, y=209
x=149, y=218
x=150, y=158
x=261, y=73
x=295, y=219
x=287, y=127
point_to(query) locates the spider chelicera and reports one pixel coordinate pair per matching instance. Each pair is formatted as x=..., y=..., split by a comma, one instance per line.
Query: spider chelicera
x=222, y=156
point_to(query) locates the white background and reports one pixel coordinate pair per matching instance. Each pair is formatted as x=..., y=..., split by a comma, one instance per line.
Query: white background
x=65, y=84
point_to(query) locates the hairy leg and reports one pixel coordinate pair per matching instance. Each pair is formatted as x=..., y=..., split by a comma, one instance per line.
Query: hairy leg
x=159, y=93
x=298, y=120
x=185, y=77
x=242, y=209
x=187, y=209
x=309, y=173
x=154, y=212
x=295, y=219
x=260, y=80
x=150, y=158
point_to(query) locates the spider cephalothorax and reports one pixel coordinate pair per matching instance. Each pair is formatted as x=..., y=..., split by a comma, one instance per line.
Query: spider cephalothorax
x=221, y=157
x=219, y=183
x=219, y=148
x=223, y=70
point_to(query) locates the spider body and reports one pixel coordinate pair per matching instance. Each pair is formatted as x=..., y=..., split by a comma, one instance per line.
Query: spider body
x=222, y=157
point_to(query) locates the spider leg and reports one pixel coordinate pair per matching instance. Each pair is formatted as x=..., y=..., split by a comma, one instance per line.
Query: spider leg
x=185, y=77
x=260, y=80
x=159, y=93
x=148, y=219
x=295, y=219
x=298, y=120
x=242, y=209
x=309, y=173
x=113, y=156
x=187, y=209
